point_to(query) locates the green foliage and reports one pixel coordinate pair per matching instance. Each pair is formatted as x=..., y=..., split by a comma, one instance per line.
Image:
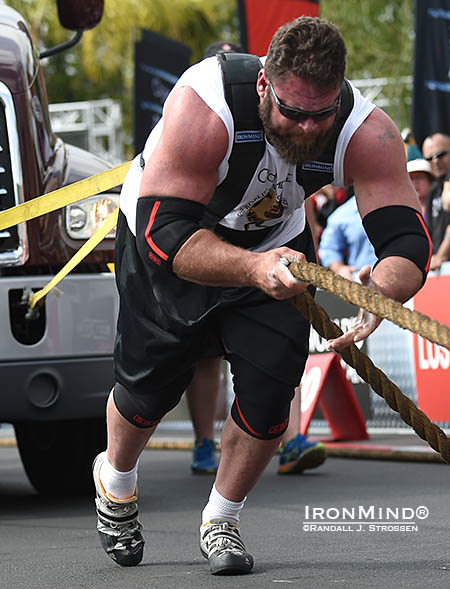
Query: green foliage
x=379, y=35
x=102, y=66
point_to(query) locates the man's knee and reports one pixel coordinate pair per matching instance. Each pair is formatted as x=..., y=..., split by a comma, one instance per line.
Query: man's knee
x=265, y=423
x=147, y=410
x=262, y=403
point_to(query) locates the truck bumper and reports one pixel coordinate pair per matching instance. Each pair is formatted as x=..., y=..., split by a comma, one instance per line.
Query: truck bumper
x=68, y=372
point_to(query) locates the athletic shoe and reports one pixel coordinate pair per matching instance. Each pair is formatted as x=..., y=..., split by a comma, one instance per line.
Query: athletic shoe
x=221, y=544
x=203, y=457
x=117, y=524
x=298, y=454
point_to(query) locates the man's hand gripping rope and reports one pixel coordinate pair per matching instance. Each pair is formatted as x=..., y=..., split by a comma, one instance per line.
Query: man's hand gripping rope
x=282, y=284
x=365, y=323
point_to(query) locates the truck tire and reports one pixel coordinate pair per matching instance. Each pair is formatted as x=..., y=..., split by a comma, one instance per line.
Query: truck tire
x=58, y=455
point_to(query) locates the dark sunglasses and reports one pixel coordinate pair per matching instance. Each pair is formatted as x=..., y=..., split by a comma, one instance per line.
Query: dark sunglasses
x=299, y=115
x=436, y=156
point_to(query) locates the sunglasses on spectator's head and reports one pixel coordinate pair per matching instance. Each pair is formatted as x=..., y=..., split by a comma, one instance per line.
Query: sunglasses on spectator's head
x=299, y=115
x=437, y=155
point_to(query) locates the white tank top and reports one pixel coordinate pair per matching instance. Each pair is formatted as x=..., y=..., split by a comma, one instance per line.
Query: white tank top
x=273, y=196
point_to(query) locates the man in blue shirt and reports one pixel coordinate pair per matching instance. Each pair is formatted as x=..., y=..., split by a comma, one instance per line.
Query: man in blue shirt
x=344, y=246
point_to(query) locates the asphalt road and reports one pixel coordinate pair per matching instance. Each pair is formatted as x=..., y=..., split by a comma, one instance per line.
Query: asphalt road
x=52, y=543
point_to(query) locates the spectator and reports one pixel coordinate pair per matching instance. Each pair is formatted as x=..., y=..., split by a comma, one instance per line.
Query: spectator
x=443, y=253
x=222, y=47
x=411, y=148
x=436, y=150
x=344, y=246
x=419, y=171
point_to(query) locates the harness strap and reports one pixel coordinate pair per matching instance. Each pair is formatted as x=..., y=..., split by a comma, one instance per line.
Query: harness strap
x=239, y=73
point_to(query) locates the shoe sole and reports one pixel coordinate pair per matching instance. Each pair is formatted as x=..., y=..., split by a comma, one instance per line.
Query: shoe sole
x=229, y=566
x=311, y=458
x=196, y=470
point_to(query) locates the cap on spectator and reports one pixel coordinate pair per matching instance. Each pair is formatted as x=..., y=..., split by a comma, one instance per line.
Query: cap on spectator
x=222, y=47
x=418, y=165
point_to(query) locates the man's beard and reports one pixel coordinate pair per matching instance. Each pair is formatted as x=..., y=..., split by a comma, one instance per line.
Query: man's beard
x=293, y=148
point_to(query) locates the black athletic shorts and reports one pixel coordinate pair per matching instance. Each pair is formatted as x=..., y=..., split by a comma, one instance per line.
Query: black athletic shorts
x=165, y=324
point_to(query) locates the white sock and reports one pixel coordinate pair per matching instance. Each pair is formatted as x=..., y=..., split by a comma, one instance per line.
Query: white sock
x=219, y=507
x=121, y=485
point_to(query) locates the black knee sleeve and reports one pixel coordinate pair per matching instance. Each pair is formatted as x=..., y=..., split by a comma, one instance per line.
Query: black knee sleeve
x=262, y=403
x=147, y=410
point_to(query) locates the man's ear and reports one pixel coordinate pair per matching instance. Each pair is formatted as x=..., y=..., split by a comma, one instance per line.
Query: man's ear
x=262, y=83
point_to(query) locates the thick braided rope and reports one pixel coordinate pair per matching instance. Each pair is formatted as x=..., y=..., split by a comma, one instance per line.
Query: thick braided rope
x=380, y=383
x=364, y=297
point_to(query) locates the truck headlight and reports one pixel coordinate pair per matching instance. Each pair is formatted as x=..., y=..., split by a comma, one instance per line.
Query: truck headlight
x=85, y=217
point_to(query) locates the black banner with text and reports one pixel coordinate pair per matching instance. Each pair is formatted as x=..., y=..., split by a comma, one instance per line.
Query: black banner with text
x=431, y=100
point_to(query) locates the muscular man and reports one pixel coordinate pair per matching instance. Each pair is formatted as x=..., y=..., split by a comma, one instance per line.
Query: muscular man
x=180, y=282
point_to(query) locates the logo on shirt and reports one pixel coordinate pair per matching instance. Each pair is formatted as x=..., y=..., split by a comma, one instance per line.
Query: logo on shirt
x=248, y=136
x=318, y=166
x=266, y=209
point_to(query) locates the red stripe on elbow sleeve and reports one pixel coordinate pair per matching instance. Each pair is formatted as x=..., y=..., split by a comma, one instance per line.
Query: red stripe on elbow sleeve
x=148, y=238
x=430, y=245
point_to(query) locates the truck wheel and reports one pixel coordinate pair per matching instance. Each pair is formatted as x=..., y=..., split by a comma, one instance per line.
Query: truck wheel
x=58, y=455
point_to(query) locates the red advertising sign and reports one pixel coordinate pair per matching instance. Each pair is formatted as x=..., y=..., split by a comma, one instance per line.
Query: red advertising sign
x=324, y=383
x=259, y=23
x=432, y=362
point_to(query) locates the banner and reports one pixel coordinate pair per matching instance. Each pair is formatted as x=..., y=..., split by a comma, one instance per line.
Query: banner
x=431, y=95
x=432, y=362
x=258, y=24
x=158, y=63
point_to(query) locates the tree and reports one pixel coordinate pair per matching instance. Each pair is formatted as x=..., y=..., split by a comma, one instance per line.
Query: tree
x=101, y=66
x=379, y=35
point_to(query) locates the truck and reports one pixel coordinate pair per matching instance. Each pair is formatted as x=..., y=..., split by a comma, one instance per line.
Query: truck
x=56, y=368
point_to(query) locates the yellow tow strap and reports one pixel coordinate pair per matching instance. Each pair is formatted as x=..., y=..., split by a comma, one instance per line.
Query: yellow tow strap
x=84, y=250
x=62, y=197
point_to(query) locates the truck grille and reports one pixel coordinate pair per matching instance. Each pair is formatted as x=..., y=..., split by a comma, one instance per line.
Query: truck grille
x=13, y=248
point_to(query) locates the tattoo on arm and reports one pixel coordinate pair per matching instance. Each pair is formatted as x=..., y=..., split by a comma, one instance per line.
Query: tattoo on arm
x=388, y=135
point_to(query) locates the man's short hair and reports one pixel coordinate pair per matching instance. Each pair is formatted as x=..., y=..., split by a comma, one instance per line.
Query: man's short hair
x=310, y=48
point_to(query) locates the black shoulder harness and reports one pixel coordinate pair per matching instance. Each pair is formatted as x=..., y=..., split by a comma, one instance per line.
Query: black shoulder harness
x=239, y=72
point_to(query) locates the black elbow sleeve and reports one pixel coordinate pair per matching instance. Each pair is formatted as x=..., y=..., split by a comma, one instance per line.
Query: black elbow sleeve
x=163, y=225
x=398, y=230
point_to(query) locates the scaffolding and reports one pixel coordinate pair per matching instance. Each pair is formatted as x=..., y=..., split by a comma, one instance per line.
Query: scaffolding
x=393, y=95
x=94, y=125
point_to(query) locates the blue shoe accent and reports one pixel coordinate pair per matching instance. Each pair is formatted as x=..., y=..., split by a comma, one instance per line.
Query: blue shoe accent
x=203, y=457
x=299, y=454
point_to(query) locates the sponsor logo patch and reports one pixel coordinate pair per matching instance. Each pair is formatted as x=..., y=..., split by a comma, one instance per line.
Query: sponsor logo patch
x=248, y=136
x=318, y=166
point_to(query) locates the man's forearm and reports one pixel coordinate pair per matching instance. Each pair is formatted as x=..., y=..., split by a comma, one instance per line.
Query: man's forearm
x=207, y=259
x=336, y=266
x=443, y=252
x=397, y=278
